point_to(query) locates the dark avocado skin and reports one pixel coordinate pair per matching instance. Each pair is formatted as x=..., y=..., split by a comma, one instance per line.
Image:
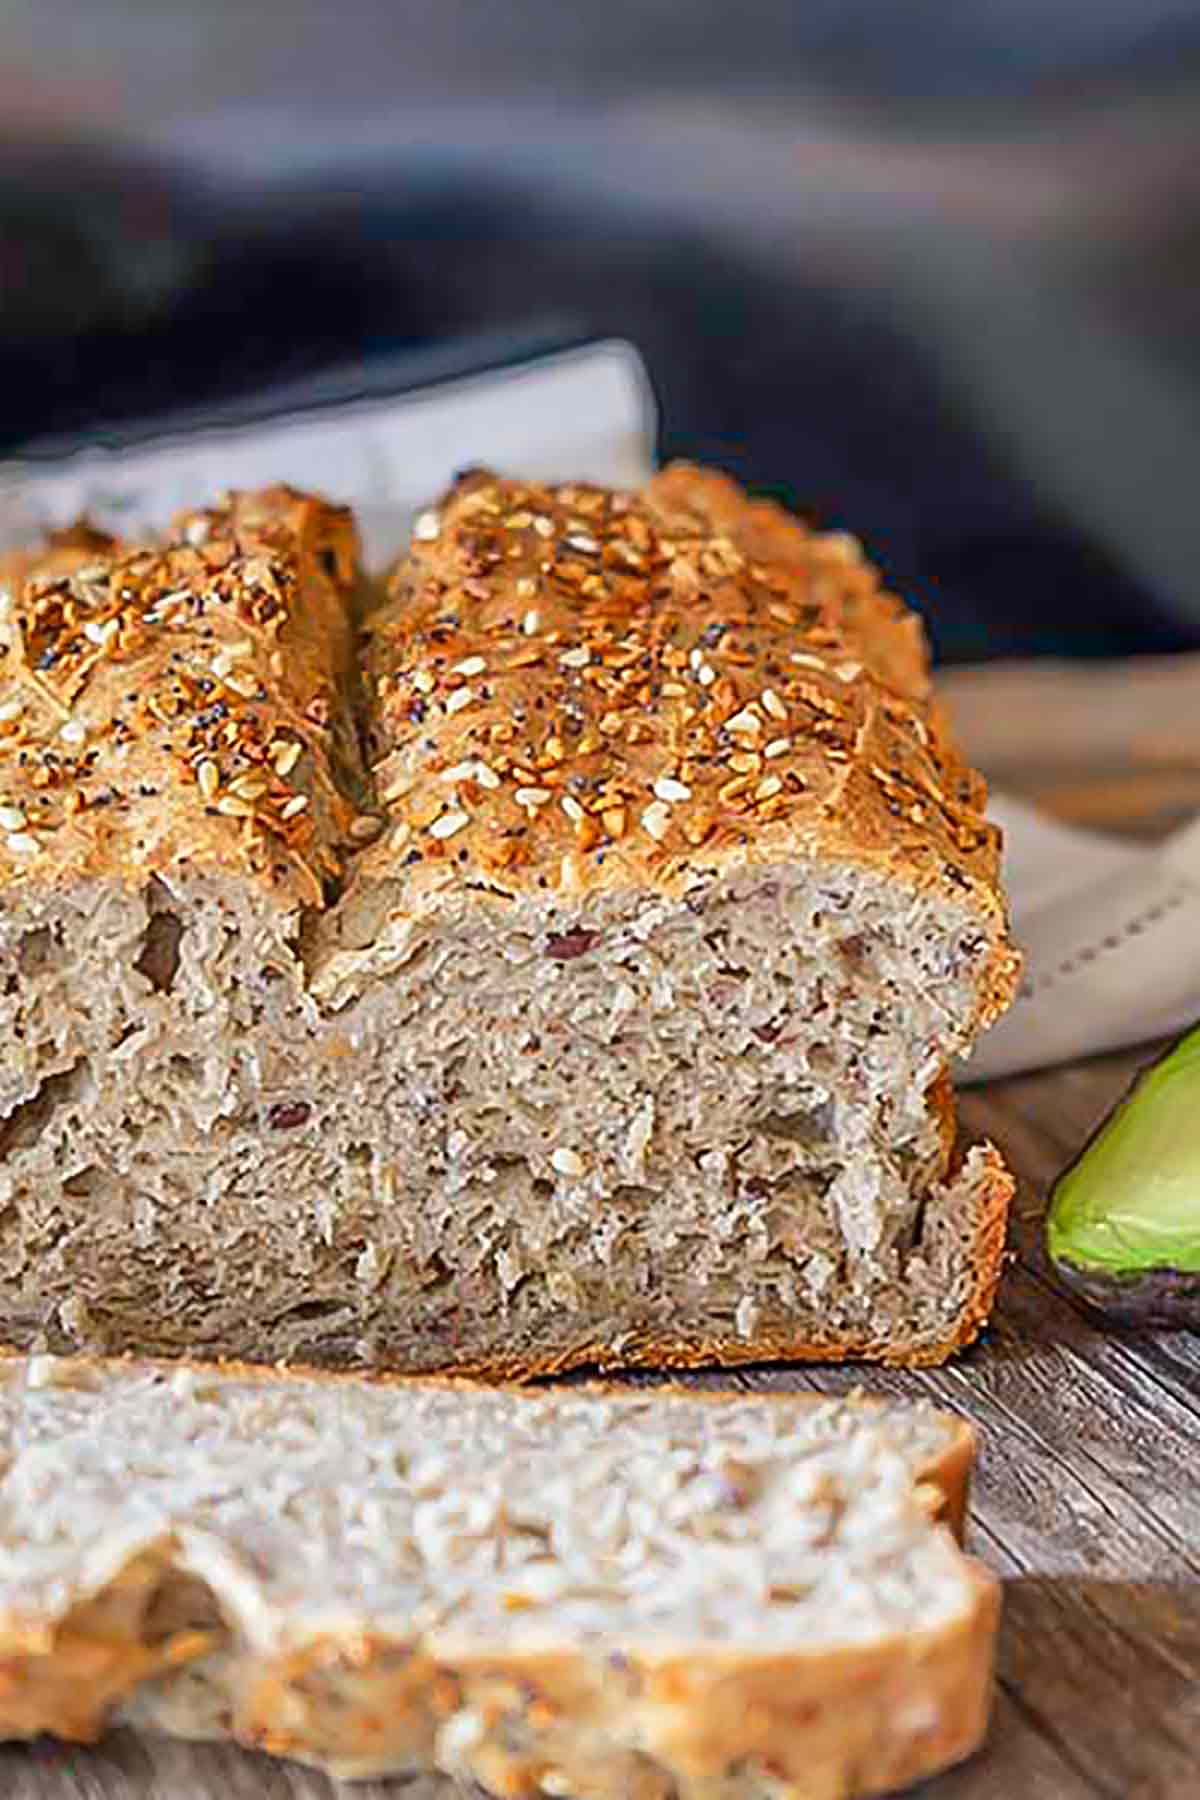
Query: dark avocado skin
x=1154, y=1297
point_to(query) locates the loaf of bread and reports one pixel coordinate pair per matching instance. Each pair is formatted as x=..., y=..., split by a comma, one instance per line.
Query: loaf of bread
x=552, y=959
x=613, y=1596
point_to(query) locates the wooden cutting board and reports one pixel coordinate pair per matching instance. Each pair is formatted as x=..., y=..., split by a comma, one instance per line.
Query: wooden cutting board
x=1088, y=1495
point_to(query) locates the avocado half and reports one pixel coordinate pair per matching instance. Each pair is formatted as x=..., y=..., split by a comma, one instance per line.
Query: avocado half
x=1123, y=1229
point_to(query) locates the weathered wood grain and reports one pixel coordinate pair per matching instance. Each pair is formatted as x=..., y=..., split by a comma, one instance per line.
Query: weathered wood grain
x=1087, y=1499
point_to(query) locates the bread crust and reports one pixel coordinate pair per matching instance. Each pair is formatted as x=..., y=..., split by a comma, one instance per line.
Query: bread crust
x=184, y=705
x=849, y=1722
x=846, y=1723
x=572, y=690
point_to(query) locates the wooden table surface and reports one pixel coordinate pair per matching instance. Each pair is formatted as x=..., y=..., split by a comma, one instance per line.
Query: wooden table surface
x=1087, y=1500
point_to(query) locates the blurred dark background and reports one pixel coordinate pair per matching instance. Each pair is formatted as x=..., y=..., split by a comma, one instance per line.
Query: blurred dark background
x=929, y=270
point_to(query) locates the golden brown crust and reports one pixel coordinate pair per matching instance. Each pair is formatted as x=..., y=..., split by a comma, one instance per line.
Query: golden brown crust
x=183, y=706
x=819, y=1727
x=849, y=1722
x=940, y=1099
x=572, y=689
x=987, y=1260
x=66, y=1677
x=852, y=1721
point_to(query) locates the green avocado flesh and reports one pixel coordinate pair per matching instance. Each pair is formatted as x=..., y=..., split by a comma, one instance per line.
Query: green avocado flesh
x=1132, y=1200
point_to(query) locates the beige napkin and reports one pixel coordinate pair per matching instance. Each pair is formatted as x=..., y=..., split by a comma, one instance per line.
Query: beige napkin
x=1110, y=936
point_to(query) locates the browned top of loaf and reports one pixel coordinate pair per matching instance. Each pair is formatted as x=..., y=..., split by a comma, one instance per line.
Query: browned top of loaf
x=182, y=704
x=572, y=689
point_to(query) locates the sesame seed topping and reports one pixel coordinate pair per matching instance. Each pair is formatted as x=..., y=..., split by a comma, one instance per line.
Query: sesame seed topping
x=99, y=633
x=249, y=787
x=10, y=710
x=286, y=758
x=12, y=818
x=427, y=527
x=566, y=1162
x=365, y=827
x=667, y=788
x=73, y=732
x=637, y=648
x=294, y=806
x=23, y=843
x=208, y=778
x=657, y=819
x=232, y=806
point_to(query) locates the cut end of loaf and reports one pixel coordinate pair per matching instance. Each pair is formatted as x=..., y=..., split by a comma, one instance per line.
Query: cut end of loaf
x=580, y=1592
x=503, y=1137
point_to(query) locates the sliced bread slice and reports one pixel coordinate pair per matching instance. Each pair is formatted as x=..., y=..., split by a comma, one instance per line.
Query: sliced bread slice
x=590, y=1592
